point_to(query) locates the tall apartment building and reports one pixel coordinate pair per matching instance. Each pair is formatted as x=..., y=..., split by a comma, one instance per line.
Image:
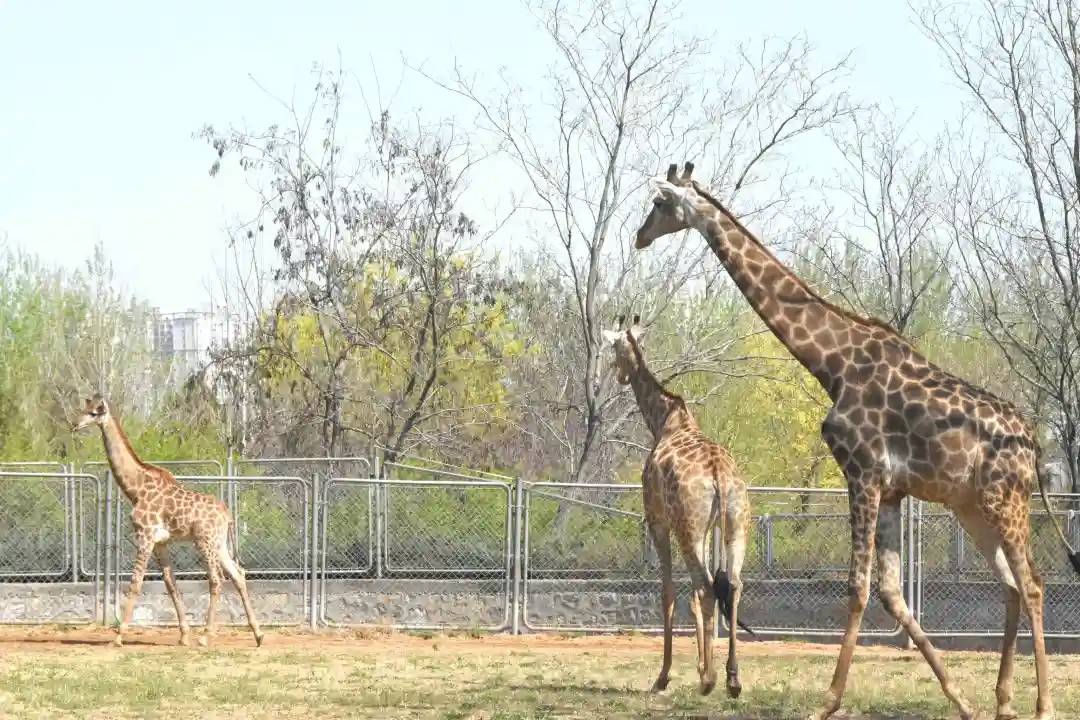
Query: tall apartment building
x=188, y=337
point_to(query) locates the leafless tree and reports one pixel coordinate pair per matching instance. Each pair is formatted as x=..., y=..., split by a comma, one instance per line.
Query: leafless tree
x=1014, y=201
x=380, y=295
x=882, y=245
x=626, y=95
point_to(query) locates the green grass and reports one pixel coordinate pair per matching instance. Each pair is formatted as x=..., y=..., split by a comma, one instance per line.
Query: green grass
x=393, y=676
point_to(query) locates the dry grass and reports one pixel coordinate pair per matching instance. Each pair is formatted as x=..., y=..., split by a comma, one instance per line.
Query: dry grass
x=52, y=673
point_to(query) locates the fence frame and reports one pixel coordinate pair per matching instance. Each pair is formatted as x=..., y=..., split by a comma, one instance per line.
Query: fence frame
x=71, y=480
x=92, y=493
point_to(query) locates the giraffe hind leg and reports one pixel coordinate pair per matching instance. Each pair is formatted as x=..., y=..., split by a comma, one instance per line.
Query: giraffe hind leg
x=213, y=574
x=239, y=581
x=702, y=604
x=988, y=540
x=890, y=590
x=729, y=603
x=662, y=541
x=165, y=561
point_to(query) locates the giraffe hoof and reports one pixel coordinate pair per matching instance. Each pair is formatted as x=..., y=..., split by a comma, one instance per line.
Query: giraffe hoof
x=259, y=640
x=118, y=641
x=734, y=688
x=203, y=641
x=707, y=685
x=185, y=640
x=660, y=685
x=1007, y=714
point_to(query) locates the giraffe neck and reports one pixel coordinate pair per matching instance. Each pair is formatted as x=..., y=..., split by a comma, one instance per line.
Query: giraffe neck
x=816, y=332
x=663, y=411
x=126, y=466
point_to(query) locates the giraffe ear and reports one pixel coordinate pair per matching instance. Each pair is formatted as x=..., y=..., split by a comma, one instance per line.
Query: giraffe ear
x=637, y=332
x=668, y=191
x=611, y=336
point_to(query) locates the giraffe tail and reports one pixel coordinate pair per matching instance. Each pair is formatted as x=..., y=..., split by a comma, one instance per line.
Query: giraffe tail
x=1074, y=555
x=723, y=591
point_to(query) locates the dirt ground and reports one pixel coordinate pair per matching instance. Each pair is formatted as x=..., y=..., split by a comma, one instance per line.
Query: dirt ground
x=76, y=672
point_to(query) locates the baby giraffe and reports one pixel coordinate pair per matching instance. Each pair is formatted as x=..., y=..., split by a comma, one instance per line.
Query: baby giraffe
x=689, y=483
x=164, y=511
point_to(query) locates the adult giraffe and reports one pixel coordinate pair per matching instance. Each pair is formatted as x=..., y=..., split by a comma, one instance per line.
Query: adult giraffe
x=899, y=426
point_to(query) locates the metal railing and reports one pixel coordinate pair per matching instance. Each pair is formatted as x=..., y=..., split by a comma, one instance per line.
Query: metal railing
x=341, y=541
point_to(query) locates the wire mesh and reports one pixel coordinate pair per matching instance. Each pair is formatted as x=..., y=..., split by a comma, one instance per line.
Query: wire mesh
x=588, y=561
x=35, y=526
x=272, y=517
x=348, y=529
x=38, y=579
x=797, y=565
x=449, y=564
x=959, y=594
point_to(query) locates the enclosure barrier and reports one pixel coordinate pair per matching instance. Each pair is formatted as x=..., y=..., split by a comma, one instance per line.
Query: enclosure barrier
x=345, y=542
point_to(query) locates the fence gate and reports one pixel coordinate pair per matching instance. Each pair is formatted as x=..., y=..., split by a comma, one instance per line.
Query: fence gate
x=41, y=518
x=960, y=596
x=446, y=564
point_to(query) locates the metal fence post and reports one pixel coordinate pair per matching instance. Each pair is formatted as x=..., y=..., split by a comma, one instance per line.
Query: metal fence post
x=515, y=601
x=909, y=539
x=315, y=545
x=766, y=522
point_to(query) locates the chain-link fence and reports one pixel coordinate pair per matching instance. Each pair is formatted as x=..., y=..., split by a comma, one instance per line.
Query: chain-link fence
x=446, y=562
x=797, y=561
x=588, y=561
x=342, y=541
x=958, y=595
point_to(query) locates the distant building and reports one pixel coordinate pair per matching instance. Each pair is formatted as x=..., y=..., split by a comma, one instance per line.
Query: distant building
x=188, y=337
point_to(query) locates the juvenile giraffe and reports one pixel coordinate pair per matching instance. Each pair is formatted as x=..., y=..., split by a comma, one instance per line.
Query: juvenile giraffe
x=899, y=426
x=164, y=511
x=689, y=483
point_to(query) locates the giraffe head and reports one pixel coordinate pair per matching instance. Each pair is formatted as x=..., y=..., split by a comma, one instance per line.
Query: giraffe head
x=673, y=205
x=627, y=353
x=95, y=412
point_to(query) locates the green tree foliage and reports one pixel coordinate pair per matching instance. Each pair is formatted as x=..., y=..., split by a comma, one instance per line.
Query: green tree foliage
x=64, y=335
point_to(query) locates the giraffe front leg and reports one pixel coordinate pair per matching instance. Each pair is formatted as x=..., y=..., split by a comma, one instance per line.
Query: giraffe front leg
x=144, y=546
x=864, y=498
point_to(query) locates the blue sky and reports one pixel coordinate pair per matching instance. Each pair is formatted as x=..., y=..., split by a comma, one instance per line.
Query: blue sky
x=100, y=101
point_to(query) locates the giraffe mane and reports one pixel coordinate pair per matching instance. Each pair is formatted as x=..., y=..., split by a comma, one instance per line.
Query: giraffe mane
x=640, y=357
x=127, y=443
x=844, y=312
